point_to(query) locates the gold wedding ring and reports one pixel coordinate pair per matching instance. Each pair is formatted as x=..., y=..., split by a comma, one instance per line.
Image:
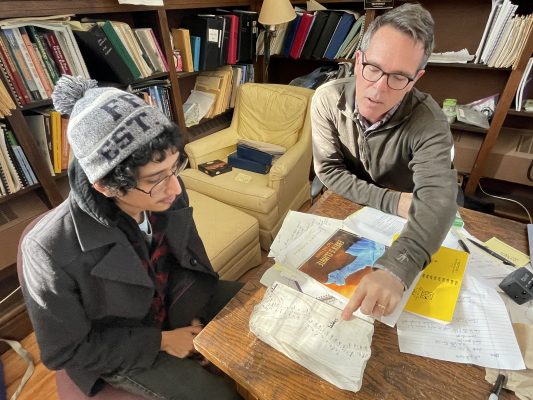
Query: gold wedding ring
x=381, y=307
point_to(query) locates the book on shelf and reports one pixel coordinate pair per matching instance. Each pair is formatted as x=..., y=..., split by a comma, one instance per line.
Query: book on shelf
x=233, y=38
x=351, y=37
x=292, y=29
x=37, y=127
x=149, y=45
x=208, y=29
x=341, y=31
x=196, y=44
x=55, y=130
x=44, y=51
x=321, y=18
x=301, y=35
x=40, y=66
x=247, y=35
x=214, y=167
x=10, y=177
x=103, y=59
x=327, y=33
x=182, y=42
x=112, y=34
x=14, y=52
x=21, y=159
x=12, y=78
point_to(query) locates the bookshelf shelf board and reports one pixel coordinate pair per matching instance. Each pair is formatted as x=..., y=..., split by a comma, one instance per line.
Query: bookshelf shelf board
x=527, y=114
x=461, y=126
x=184, y=4
x=187, y=74
x=13, y=9
x=466, y=66
x=37, y=104
x=21, y=192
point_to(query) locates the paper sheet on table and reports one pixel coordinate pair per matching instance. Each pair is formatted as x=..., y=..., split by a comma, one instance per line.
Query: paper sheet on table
x=312, y=334
x=381, y=227
x=294, y=225
x=480, y=333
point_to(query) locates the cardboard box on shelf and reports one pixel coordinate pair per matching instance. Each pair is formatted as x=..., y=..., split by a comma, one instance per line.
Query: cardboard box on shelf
x=509, y=160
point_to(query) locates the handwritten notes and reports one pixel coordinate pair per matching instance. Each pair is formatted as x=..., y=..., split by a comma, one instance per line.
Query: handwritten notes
x=312, y=334
x=481, y=332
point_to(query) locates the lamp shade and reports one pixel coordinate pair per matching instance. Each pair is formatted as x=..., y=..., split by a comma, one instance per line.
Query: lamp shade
x=275, y=12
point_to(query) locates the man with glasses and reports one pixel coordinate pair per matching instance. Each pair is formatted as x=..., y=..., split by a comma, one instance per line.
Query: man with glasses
x=116, y=279
x=378, y=141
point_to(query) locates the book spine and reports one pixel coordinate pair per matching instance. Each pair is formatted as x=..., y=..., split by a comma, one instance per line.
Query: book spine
x=3, y=177
x=11, y=160
x=16, y=77
x=44, y=52
x=37, y=62
x=55, y=127
x=57, y=53
x=18, y=61
x=159, y=51
x=9, y=82
x=67, y=54
x=65, y=147
x=29, y=62
x=12, y=144
x=115, y=40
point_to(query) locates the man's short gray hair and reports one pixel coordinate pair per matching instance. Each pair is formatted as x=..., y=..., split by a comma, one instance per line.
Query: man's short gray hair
x=411, y=19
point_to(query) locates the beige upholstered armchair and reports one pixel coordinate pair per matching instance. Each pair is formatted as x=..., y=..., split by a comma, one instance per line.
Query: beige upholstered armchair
x=277, y=114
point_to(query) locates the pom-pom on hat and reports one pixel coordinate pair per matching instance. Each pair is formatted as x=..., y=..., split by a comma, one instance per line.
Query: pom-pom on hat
x=106, y=125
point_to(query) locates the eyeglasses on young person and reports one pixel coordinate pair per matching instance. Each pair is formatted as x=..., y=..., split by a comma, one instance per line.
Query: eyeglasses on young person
x=160, y=185
x=373, y=73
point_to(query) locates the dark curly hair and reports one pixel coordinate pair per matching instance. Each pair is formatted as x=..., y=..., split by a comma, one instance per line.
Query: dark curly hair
x=124, y=176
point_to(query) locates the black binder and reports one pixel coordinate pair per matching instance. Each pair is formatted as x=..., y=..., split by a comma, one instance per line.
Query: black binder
x=209, y=29
x=321, y=18
x=247, y=35
x=331, y=24
x=101, y=58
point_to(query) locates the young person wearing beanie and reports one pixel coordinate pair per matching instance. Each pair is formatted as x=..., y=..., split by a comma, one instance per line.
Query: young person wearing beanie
x=116, y=279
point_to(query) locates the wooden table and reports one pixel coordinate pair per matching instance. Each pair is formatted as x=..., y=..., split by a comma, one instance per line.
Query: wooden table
x=267, y=374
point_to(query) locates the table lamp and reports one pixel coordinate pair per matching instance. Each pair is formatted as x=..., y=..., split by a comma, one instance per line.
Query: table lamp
x=273, y=12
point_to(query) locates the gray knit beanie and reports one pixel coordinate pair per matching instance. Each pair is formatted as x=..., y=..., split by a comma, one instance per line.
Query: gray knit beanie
x=106, y=125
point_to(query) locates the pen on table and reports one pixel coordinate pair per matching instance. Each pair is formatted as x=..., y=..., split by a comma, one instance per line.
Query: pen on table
x=492, y=253
x=463, y=246
x=496, y=389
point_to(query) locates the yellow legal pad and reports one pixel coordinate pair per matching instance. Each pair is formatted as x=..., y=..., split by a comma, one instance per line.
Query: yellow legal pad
x=435, y=294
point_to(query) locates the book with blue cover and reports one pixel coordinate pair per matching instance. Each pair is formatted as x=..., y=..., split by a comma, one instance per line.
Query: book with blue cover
x=243, y=163
x=254, y=154
x=343, y=28
x=195, y=48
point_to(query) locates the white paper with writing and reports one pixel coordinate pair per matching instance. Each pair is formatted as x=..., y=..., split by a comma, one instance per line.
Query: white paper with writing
x=312, y=334
x=480, y=333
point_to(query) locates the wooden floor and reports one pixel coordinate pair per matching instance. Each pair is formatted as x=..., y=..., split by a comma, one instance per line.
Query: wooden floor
x=42, y=384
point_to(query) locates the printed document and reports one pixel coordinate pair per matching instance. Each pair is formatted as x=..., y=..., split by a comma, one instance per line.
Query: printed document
x=481, y=332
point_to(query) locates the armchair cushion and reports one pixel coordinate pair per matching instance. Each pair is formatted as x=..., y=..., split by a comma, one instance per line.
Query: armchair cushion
x=271, y=114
